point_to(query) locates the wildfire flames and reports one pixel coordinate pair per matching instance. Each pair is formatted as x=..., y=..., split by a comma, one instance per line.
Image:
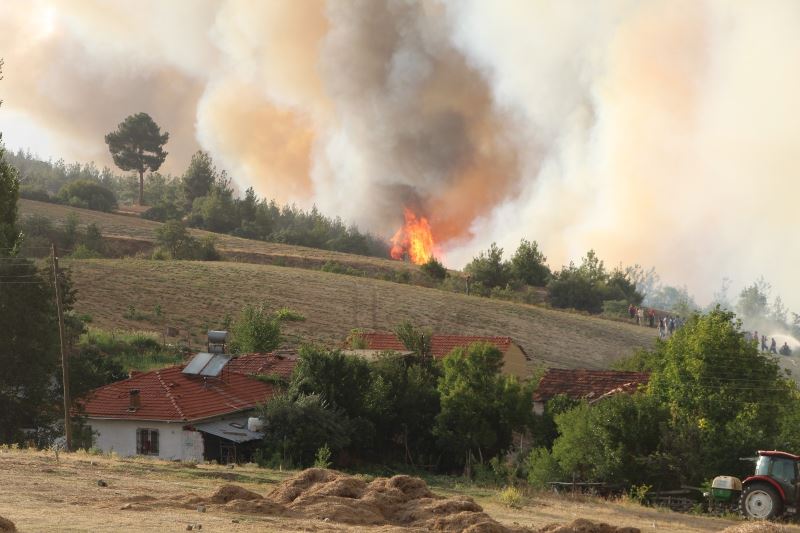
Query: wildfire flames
x=414, y=239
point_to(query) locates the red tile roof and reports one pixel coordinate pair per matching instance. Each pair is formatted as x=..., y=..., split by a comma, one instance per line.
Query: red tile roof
x=441, y=345
x=169, y=395
x=582, y=383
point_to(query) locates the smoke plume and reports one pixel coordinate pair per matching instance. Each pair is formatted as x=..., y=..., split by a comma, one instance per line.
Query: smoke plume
x=656, y=132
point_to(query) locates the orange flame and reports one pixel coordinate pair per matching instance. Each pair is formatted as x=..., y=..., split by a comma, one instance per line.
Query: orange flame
x=414, y=239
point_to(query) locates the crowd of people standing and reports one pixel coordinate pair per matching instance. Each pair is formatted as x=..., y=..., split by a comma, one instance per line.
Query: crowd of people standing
x=772, y=347
x=666, y=324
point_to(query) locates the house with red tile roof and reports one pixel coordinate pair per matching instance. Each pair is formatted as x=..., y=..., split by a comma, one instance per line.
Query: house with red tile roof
x=186, y=412
x=585, y=384
x=515, y=360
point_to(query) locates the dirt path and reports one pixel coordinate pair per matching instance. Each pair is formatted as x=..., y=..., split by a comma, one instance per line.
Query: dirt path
x=40, y=494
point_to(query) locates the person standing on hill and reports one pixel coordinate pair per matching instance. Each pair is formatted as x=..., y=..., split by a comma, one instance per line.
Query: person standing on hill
x=785, y=350
x=651, y=317
x=773, y=346
x=763, y=342
x=632, y=311
x=640, y=317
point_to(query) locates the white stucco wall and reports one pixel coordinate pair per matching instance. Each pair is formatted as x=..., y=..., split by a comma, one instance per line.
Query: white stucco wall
x=173, y=442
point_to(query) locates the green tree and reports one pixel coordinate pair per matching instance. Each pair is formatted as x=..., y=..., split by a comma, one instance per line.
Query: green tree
x=434, y=269
x=614, y=440
x=28, y=343
x=256, y=330
x=217, y=210
x=480, y=407
x=9, y=194
x=138, y=144
x=529, y=265
x=89, y=195
x=295, y=427
x=199, y=178
x=403, y=403
x=753, y=304
x=571, y=288
x=725, y=398
x=174, y=236
x=342, y=381
x=673, y=299
x=489, y=269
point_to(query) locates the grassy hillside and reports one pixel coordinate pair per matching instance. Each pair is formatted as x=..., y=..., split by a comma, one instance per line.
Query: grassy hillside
x=196, y=295
x=133, y=234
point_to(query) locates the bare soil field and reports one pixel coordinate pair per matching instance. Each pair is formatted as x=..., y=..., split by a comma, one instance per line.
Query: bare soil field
x=82, y=492
x=195, y=296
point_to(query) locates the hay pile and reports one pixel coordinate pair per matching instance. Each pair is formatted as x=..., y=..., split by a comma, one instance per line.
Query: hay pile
x=7, y=525
x=400, y=501
x=756, y=527
x=397, y=502
x=582, y=525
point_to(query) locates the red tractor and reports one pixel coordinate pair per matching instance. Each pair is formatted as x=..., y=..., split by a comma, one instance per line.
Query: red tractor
x=774, y=489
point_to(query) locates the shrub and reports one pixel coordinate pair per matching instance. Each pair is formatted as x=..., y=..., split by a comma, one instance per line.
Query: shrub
x=542, y=468
x=434, y=269
x=256, y=330
x=511, y=497
x=83, y=252
x=34, y=193
x=162, y=212
x=206, y=250
x=132, y=314
x=88, y=194
x=284, y=314
x=338, y=268
x=615, y=308
x=176, y=239
x=322, y=458
x=356, y=340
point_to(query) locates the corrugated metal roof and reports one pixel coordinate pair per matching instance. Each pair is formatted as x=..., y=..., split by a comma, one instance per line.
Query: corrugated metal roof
x=234, y=429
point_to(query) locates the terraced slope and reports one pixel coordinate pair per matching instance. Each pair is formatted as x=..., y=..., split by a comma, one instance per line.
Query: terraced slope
x=196, y=295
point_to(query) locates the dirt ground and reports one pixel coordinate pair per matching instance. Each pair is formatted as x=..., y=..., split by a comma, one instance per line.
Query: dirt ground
x=82, y=492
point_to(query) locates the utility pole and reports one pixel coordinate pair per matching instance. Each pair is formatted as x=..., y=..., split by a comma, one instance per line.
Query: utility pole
x=64, y=358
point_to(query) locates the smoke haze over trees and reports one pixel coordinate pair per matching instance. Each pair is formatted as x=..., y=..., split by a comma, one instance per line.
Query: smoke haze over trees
x=588, y=127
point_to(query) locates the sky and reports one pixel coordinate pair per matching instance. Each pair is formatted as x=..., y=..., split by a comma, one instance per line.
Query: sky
x=660, y=132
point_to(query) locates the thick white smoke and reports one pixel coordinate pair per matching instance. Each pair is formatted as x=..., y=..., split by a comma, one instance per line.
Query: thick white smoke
x=656, y=132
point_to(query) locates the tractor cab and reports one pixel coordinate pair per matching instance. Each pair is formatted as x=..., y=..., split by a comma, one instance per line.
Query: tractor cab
x=773, y=489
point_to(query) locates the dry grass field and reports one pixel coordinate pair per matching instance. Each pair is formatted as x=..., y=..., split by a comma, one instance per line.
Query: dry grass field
x=195, y=296
x=40, y=494
x=139, y=234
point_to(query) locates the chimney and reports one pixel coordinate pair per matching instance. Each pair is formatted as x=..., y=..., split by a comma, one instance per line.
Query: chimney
x=133, y=373
x=135, y=400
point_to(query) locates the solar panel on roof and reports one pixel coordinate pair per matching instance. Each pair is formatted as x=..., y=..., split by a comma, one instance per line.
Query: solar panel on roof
x=215, y=365
x=197, y=363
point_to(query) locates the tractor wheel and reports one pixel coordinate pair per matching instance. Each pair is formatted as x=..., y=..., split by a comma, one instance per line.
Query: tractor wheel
x=760, y=501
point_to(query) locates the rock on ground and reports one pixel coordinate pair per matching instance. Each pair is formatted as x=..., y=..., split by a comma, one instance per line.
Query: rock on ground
x=7, y=525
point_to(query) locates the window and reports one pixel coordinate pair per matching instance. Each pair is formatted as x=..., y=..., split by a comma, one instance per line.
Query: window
x=147, y=442
x=783, y=469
